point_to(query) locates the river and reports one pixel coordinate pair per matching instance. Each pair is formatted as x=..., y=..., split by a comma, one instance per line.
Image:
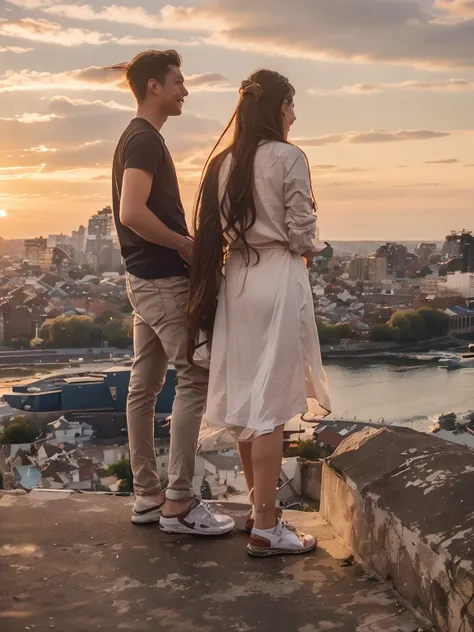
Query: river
x=406, y=395
x=403, y=394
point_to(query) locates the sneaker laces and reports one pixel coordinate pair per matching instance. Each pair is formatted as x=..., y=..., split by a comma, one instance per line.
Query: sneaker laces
x=209, y=508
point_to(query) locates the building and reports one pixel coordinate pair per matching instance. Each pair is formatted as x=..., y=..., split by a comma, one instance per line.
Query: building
x=396, y=256
x=426, y=250
x=461, y=283
x=70, y=431
x=100, y=240
x=358, y=269
x=78, y=245
x=461, y=320
x=377, y=269
x=460, y=248
x=38, y=253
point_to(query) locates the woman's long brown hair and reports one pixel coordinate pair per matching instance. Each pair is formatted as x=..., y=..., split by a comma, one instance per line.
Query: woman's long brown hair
x=257, y=118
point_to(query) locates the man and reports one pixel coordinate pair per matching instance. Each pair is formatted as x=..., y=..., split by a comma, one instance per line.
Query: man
x=157, y=250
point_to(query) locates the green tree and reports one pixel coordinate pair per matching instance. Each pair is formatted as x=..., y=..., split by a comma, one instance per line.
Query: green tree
x=417, y=326
x=70, y=331
x=306, y=449
x=333, y=334
x=401, y=326
x=436, y=321
x=20, y=343
x=117, y=334
x=382, y=333
x=123, y=473
x=18, y=432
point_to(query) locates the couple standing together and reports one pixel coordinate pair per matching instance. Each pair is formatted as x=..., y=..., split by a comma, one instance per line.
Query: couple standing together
x=240, y=283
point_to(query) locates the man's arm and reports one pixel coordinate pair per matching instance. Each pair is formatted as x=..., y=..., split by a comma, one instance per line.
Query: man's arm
x=135, y=214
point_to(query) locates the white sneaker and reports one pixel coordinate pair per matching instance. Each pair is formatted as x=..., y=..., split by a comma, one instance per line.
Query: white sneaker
x=283, y=539
x=199, y=519
x=146, y=510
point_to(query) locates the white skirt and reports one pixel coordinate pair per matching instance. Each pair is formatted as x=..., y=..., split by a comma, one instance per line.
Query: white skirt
x=265, y=365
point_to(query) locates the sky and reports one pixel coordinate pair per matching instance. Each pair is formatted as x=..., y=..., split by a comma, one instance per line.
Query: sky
x=384, y=103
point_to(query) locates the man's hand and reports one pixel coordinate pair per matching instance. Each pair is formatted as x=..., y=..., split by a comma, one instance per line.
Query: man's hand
x=186, y=250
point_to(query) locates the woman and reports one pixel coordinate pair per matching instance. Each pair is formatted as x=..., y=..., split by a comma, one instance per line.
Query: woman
x=254, y=228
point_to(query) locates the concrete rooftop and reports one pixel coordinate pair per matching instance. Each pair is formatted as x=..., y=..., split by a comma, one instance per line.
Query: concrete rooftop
x=75, y=563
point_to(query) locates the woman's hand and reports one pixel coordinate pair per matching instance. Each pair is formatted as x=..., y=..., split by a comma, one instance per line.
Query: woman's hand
x=308, y=256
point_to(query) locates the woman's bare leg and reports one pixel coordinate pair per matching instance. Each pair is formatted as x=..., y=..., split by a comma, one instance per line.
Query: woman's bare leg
x=245, y=453
x=267, y=452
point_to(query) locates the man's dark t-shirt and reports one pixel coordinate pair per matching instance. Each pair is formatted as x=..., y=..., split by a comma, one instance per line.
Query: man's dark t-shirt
x=141, y=146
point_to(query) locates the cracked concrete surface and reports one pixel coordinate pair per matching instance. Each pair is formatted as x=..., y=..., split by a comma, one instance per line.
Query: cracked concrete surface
x=65, y=565
x=404, y=501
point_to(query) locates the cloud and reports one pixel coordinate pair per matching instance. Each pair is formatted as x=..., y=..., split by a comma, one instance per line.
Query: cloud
x=18, y=50
x=62, y=105
x=445, y=161
x=372, y=136
x=361, y=30
x=83, y=133
x=91, y=78
x=46, y=32
x=51, y=33
x=209, y=82
x=463, y=8
x=28, y=118
x=97, y=78
x=358, y=89
x=41, y=149
x=329, y=169
x=167, y=18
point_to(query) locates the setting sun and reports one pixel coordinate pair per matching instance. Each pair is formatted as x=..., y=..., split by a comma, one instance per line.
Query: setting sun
x=3, y=212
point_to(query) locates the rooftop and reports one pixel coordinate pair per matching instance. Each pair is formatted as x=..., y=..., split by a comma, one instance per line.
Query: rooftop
x=85, y=567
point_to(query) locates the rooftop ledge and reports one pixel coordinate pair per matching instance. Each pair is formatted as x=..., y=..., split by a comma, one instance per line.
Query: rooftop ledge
x=74, y=562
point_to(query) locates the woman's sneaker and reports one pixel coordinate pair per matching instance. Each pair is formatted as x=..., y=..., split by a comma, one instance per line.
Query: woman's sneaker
x=146, y=510
x=199, y=519
x=283, y=539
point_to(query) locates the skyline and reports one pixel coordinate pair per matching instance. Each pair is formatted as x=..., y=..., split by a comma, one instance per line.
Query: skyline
x=384, y=95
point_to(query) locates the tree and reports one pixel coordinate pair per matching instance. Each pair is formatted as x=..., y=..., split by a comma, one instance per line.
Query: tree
x=306, y=449
x=436, y=321
x=117, y=334
x=37, y=343
x=417, y=326
x=333, y=334
x=382, y=333
x=123, y=472
x=20, y=343
x=70, y=331
x=18, y=432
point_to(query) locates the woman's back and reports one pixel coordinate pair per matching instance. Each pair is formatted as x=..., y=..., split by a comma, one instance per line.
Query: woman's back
x=282, y=195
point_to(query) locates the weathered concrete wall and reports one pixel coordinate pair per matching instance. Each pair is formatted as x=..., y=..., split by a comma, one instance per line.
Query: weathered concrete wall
x=404, y=501
x=311, y=473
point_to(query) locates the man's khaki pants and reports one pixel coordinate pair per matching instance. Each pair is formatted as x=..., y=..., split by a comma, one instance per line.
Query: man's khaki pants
x=160, y=337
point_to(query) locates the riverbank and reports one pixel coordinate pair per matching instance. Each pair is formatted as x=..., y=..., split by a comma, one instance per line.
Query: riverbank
x=386, y=350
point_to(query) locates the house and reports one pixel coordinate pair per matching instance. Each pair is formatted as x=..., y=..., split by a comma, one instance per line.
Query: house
x=70, y=431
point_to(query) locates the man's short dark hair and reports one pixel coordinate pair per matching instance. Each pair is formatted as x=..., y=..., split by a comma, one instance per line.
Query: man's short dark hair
x=150, y=64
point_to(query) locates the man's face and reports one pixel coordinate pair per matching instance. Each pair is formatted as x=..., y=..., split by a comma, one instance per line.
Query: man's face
x=172, y=93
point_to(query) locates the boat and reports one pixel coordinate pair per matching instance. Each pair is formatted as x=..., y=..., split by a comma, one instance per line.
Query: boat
x=450, y=362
